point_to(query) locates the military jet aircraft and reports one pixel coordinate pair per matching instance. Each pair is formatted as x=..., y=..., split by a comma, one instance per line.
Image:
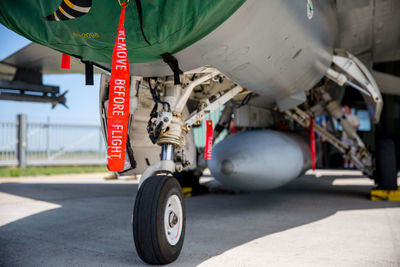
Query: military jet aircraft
x=284, y=62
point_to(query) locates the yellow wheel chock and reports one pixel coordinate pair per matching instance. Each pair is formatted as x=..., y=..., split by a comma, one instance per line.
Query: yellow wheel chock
x=385, y=195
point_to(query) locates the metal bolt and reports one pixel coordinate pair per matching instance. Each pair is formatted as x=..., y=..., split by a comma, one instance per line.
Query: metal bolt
x=173, y=219
x=179, y=167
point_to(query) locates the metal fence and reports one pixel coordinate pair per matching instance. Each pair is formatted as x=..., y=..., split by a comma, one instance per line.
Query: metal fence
x=25, y=143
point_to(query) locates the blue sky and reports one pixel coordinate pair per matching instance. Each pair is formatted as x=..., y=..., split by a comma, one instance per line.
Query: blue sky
x=82, y=100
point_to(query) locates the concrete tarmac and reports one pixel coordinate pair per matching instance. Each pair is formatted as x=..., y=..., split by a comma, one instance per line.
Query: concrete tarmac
x=86, y=221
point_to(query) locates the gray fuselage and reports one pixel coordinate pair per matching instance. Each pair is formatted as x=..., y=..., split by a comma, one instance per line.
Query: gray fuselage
x=274, y=48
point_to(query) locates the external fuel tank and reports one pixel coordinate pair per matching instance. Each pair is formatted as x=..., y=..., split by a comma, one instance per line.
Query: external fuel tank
x=260, y=159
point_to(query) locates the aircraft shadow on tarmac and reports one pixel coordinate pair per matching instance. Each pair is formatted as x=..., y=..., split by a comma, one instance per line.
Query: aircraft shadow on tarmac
x=93, y=225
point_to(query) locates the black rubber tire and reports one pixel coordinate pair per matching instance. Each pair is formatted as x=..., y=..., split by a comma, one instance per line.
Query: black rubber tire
x=151, y=243
x=386, y=165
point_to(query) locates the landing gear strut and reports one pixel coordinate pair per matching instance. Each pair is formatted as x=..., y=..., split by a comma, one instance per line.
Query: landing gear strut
x=159, y=213
x=348, y=70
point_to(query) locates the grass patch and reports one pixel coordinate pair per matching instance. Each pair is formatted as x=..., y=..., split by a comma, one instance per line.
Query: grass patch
x=34, y=171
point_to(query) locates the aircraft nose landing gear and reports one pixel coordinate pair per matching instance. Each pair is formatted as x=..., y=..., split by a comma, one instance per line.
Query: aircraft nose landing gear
x=159, y=220
x=159, y=212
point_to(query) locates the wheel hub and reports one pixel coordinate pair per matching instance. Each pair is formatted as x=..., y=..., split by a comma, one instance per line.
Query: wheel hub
x=173, y=219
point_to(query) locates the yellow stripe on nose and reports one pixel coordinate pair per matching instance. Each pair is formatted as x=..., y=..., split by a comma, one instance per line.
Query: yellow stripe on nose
x=55, y=16
x=65, y=13
x=69, y=4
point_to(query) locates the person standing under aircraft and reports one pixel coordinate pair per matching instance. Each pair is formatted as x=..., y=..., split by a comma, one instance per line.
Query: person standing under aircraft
x=353, y=119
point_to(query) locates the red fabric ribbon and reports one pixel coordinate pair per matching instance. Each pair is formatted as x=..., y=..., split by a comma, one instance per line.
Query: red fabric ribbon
x=209, y=140
x=312, y=142
x=65, y=61
x=118, y=106
x=233, y=127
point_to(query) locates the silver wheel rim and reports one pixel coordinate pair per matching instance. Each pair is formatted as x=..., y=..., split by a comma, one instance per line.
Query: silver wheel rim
x=173, y=219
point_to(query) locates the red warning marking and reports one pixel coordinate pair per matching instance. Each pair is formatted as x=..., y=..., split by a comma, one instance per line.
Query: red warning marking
x=65, y=61
x=312, y=143
x=118, y=106
x=209, y=140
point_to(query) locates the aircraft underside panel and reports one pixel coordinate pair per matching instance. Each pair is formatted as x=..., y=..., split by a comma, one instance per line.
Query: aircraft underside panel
x=369, y=29
x=273, y=48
